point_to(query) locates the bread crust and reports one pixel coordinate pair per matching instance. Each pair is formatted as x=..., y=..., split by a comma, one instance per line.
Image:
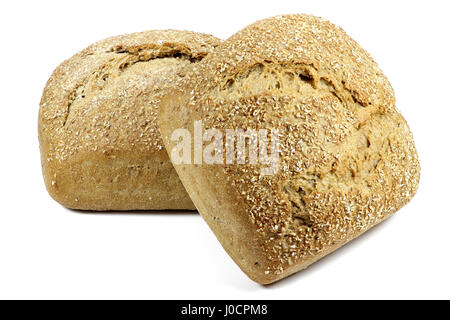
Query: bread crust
x=347, y=158
x=99, y=139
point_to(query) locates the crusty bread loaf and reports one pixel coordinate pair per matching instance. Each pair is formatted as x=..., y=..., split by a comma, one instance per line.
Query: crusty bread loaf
x=99, y=140
x=347, y=157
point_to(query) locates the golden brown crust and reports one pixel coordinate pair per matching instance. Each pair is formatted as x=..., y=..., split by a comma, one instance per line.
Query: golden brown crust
x=347, y=158
x=99, y=139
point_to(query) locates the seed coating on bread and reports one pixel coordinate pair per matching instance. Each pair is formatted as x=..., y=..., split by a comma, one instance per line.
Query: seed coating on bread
x=100, y=143
x=347, y=156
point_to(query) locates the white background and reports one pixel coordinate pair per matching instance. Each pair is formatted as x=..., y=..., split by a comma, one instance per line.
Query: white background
x=47, y=251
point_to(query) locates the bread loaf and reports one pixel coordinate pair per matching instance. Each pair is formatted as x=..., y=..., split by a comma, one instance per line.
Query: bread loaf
x=347, y=159
x=99, y=140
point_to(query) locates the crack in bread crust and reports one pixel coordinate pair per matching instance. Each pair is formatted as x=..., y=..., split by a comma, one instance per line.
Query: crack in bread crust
x=120, y=61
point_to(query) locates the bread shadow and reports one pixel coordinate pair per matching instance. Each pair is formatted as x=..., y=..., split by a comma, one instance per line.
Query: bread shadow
x=138, y=212
x=335, y=255
x=237, y=282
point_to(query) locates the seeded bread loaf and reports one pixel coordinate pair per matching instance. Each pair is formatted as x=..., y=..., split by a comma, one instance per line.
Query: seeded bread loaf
x=99, y=140
x=347, y=158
